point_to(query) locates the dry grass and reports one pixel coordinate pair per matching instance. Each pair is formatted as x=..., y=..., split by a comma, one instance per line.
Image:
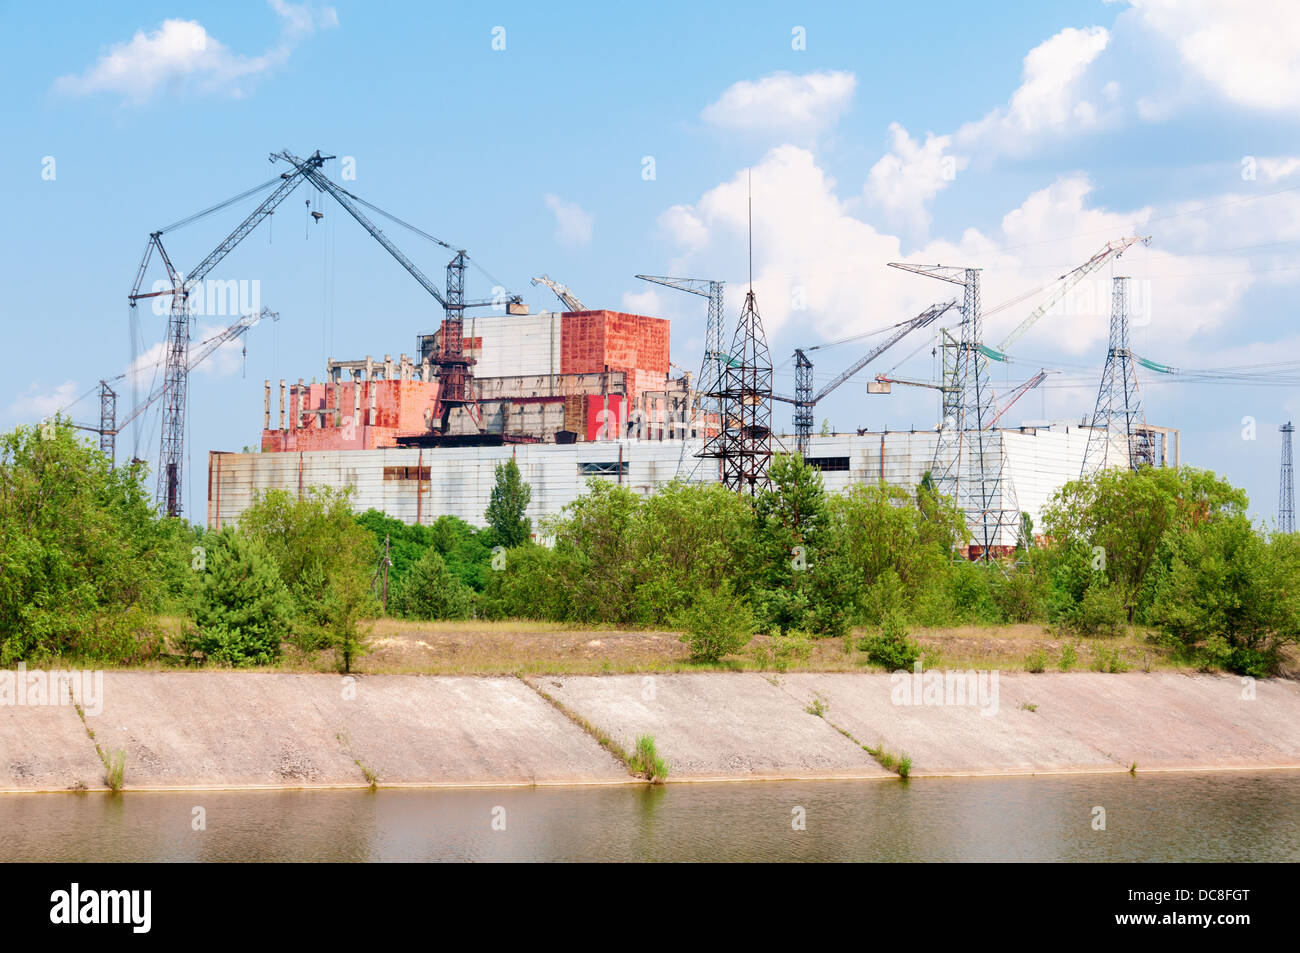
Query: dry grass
x=524, y=647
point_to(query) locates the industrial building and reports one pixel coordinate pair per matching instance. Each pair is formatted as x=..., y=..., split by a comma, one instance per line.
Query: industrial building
x=590, y=396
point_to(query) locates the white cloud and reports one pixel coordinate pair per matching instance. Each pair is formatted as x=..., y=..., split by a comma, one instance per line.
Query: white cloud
x=905, y=179
x=34, y=404
x=683, y=226
x=1248, y=52
x=642, y=302
x=784, y=103
x=820, y=268
x=573, y=226
x=1050, y=98
x=1271, y=170
x=181, y=56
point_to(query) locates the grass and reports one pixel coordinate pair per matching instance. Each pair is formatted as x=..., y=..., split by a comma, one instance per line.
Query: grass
x=114, y=762
x=602, y=739
x=818, y=707
x=1028, y=706
x=899, y=763
x=523, y=647
x=1036, y=661
x=646, y=761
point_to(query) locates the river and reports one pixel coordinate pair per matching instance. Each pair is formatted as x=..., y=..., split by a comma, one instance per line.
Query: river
x=1169, y=817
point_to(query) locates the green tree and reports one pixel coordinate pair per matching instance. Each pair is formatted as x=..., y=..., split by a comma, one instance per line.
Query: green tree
x=717, y=623
x=509, y=502
x=430, y=591
x=1230, y=597
x=85, y=560
x=1123, y=515
x=243, y=610
x=325, y=558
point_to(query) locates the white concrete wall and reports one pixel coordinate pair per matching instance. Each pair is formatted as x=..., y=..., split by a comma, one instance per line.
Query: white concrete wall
x=461, y=478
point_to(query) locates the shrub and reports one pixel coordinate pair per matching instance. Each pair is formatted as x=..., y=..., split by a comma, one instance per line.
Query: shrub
x=717, y=624
x=891, y=648
x=429, y=591
x=243, y=609
x=1101, y=612
x=1036, y=661
x=1069, y=657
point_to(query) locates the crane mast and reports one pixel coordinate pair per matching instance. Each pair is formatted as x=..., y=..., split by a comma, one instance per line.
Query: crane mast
x=175, y=374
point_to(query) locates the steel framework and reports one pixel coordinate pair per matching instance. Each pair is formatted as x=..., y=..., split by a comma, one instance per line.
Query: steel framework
x=714, y=361
x=803, y=402
x=743, y=444
x=1286, y=491
x=1118, y=415
x=969, y=459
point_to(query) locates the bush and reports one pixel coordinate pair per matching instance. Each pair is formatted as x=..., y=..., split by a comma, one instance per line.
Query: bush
x=243, y=609
x=646, y=762
x=717, y=624
x=85, y=560
x=891, y=648
x=429, y=591
x=1101, y=612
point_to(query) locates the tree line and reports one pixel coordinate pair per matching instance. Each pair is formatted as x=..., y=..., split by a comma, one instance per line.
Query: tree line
x=88, y=566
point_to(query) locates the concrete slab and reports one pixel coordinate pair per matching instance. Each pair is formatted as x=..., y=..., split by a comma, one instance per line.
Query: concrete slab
x=237, y=729
x=950, y=739
x=45, y=748
x=246, y=729
x=1081, y=722
x=714, y=726
x=416, y=729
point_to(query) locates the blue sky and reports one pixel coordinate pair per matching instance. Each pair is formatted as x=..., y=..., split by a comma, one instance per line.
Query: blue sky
x=1019, y=140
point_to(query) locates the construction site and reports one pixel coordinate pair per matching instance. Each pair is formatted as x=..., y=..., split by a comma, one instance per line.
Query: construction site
x=584, y=392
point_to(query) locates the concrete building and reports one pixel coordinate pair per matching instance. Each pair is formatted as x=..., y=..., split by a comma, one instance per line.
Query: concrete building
x=570, y=396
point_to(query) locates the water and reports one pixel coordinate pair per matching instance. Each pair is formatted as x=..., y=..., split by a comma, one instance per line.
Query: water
x=1219, y=817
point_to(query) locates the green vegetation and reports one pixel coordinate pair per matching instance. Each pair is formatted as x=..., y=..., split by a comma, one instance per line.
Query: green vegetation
x=646, y=762
x=1158, y=561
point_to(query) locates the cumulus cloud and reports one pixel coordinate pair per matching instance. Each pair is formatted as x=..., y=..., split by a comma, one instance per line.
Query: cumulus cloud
x=573, y=226
x=181, y=56
x=906, y=178
x=820, y=267
x=1249, y=53
x=784, y=103
x=642, y=302
x=1050, y=98
x=1273, y=169
x=37, y=404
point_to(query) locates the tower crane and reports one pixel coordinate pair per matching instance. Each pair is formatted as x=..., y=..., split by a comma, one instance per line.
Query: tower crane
x=714, y=361
x=567, y=297
x=805, y=400
x=109, y=427
x=175, y=382
x=1068, y=280
x=454, y=374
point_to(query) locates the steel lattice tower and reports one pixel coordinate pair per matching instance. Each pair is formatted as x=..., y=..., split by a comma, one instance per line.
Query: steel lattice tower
x=174, y=402
x=969, y=458
x=1118, y=415
x=712, y=365
x=1286, y=491
x=743, y=444
x=803, y=405
x=108, y=422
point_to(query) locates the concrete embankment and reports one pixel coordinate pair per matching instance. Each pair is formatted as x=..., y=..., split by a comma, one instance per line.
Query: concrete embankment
x=248, y=730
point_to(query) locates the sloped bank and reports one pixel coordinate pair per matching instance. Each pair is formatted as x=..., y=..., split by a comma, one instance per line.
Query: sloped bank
x=184, y=730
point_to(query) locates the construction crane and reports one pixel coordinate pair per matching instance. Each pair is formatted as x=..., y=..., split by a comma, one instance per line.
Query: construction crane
x=175, y=382
x=569, y=299
x=1020, y=390
x=1107, y=252
x=454, y=374
x=715, y=361
x=109, y=427
x=805, y=400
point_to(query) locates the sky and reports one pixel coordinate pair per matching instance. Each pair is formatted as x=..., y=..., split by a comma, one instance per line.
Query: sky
x=597, y=141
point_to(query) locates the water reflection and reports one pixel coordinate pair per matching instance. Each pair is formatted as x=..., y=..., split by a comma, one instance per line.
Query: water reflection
x=1228, y=817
